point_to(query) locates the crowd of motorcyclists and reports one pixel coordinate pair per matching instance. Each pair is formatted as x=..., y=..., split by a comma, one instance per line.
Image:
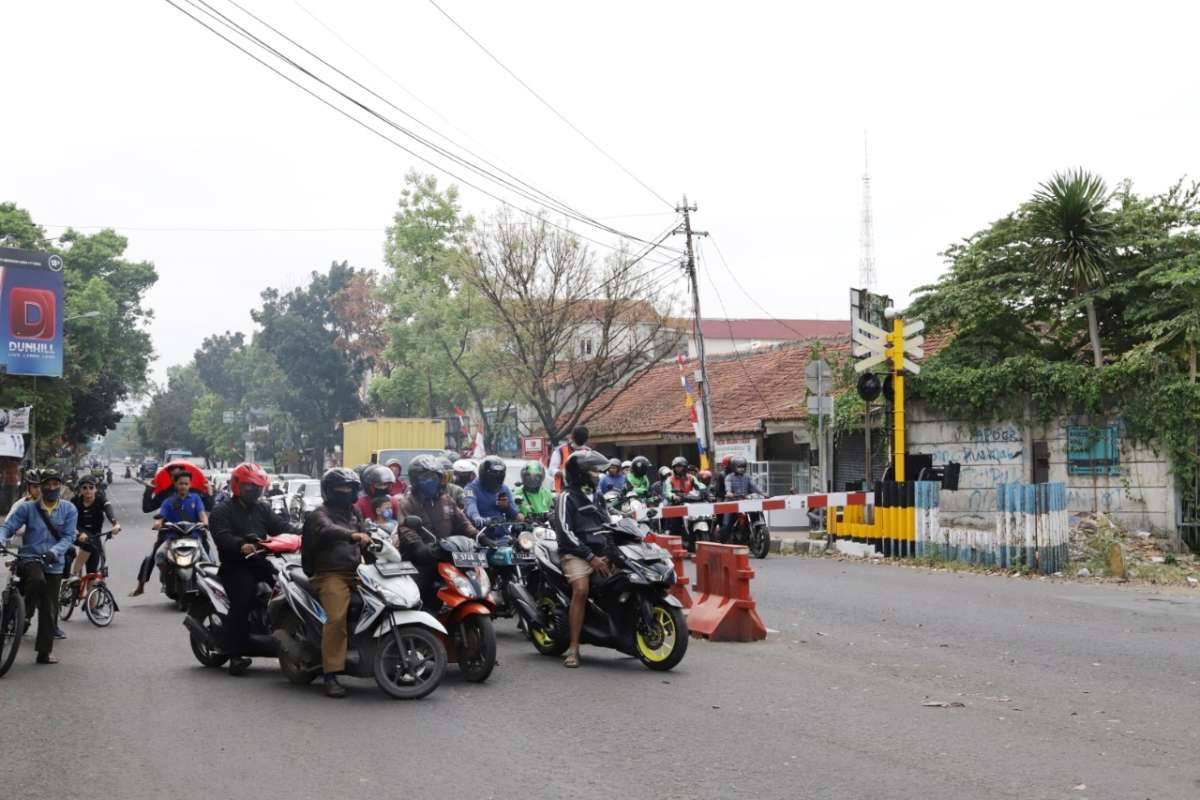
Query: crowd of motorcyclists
x=450, y=496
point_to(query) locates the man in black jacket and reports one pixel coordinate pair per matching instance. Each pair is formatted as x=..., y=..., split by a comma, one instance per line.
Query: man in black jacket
x=576, y=518
x=440, y=515
x=238, y=524
x=337, y=533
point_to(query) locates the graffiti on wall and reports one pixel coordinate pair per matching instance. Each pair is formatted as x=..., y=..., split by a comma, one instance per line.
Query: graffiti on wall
x=989, y=455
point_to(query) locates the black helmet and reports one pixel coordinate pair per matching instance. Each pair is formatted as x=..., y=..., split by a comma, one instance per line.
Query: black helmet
x=50, y=474
x=584, y=468
x=491, y=473
x=738, y=465
x=426, y=476
x=640, y=466
x=337, y=478
x=87, y=479
x=532, y=476
x=664, y=472
x=33, y=476
x=679, y=461
x=376, y=476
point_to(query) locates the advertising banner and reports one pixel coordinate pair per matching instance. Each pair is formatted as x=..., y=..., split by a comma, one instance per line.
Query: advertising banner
x=14, y=420
x=31, y=312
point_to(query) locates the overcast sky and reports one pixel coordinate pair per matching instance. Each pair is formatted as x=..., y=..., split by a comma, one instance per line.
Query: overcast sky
x=128, y=114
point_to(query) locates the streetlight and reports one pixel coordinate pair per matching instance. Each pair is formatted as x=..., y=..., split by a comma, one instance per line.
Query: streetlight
x=84, y=315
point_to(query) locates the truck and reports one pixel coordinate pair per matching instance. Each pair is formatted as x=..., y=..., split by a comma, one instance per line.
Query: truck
x=363, y=439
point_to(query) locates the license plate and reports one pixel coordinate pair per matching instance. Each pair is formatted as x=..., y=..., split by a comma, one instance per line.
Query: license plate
x=470, y=560
x=392, y=569
x=523, y=557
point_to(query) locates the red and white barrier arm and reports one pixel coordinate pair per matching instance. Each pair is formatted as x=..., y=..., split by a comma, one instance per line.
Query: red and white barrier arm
x=794, y=502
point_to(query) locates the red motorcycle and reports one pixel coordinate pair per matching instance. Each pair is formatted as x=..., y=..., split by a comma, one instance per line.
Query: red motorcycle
x=467, y=607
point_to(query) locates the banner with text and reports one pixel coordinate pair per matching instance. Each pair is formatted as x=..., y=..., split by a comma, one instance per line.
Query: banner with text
x=31, y=312
x=14, y=420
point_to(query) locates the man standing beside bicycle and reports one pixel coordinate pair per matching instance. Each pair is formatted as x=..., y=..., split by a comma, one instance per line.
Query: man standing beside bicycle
x=49, y=525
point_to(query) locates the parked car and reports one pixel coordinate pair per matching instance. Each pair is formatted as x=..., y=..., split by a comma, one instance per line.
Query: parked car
x=303, y=495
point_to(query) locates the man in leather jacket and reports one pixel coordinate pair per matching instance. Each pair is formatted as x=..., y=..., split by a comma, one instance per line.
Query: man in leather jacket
x=426, y=498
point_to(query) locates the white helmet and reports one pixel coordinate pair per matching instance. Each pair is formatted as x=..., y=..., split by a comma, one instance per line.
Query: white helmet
x=626, y=464
x=464, y=465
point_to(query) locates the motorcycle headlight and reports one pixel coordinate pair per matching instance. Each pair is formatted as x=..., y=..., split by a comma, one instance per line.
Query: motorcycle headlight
x=184, y=559
x=463, y=585
x=525, y=540
x=485, y=583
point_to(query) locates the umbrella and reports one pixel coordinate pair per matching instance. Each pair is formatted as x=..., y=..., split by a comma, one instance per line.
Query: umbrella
x=162, y=478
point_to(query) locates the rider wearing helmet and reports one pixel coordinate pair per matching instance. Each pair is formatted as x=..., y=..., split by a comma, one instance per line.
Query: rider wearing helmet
x=332, y=541
x=92, y=507
x=639, y=476
x=613, y=479
x=427, y=499
x=238, y=525
x=533, y=496
x=678, y=484
x=487, y=496
x=718, y=486
x=398, y=486
x=626, y=466
x=577, y=520
x=462, y=472
x=49, y=527
x=738, y=485
x=377, y=503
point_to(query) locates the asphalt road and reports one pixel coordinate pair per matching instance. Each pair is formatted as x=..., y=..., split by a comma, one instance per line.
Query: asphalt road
x=1061, y=686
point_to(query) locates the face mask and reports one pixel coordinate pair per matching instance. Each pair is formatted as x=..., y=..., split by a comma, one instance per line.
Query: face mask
x=340, y=499
x=429, y=487
x=386, y=512
x=251, y=494
x=51, y=495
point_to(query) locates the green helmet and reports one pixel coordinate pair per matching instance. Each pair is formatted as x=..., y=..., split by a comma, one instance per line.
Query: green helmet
x=532, y=476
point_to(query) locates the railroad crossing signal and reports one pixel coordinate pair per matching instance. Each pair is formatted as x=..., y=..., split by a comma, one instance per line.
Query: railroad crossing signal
x=876, y=346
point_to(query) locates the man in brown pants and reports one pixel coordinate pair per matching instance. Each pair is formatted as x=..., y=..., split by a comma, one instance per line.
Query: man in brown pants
x=338, y=534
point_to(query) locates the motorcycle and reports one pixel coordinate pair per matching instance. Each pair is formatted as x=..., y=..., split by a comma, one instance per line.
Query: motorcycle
x=698, y=529
x=750, y=530
x=510, y=559
x=390, y=639
x=630, y=611
x=466, y=605
x=178, y=558
x=209, y=610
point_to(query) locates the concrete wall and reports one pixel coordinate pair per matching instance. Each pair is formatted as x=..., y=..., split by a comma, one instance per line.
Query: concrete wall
x=1142, y=497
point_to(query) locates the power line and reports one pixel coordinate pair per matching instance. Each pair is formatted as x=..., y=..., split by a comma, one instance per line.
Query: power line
x=355, y=119
x=547, y=104
x=186, y=229
x=542, y=197
x=738, y=283
x=732, y=339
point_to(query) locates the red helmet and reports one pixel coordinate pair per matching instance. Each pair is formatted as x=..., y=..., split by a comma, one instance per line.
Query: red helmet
x=725, y=462
x=247, y=474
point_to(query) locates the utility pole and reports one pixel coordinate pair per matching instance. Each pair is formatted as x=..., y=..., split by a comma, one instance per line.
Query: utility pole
x=690, y=268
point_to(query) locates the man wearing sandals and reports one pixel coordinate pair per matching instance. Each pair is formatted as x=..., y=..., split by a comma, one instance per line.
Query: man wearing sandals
x=576, y=517
x=49, y=525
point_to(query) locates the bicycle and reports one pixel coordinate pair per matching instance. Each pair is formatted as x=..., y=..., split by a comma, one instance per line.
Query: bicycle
x=92, y=591
x=12, y=615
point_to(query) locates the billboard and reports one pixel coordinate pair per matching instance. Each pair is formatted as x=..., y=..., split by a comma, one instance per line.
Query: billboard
x=31, y=312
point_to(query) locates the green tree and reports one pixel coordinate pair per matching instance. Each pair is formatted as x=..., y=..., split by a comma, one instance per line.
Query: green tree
x=166, y=422
x=1073, y=237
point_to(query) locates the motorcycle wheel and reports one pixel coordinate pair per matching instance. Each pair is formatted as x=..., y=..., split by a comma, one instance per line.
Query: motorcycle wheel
x=550, y=641
x=293, y=670
x=663, y=647
x=100, y=606
x=760, y=541
x=426, y=657
x=477, y=647
x=68, y=596
x=208, y=617
x=12, y=626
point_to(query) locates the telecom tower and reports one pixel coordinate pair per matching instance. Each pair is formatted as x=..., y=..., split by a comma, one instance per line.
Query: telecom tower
x=866, y=257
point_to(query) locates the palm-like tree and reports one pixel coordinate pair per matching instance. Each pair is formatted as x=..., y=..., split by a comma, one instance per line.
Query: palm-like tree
x=1073, y=231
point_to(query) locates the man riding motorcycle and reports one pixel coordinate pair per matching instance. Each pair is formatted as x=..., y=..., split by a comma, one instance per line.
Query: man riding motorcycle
x=427, y=499
x=675, y=487
x=613, y=480
x=377, y=503
x=533, y=496
x=182, y=506
x=238, y=524
x=49, y=527
x=335, y=534
x=638, y=479
x=738, y=485
x=462, y=473
x=576, y=518
x=487, y=497
x=718, y=485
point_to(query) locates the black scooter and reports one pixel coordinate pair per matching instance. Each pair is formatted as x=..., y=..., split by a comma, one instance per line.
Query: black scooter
x=631, y=610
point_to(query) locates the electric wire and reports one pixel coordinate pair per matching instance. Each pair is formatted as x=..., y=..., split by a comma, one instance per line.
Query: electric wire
x=233, y=26
x=547, y=104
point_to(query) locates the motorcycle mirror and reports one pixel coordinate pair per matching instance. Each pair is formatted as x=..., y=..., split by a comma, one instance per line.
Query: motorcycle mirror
x=413, y=521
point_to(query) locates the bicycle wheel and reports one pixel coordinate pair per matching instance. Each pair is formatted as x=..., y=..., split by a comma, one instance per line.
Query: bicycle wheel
x=68, y=597
x=12, y=626
x=100, y=606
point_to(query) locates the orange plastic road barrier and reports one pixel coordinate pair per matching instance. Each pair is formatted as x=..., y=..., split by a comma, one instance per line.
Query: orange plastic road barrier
x=674, y=546
x=725, y=611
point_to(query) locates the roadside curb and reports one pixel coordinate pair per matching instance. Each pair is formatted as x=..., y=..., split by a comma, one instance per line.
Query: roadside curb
x=798, y=547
